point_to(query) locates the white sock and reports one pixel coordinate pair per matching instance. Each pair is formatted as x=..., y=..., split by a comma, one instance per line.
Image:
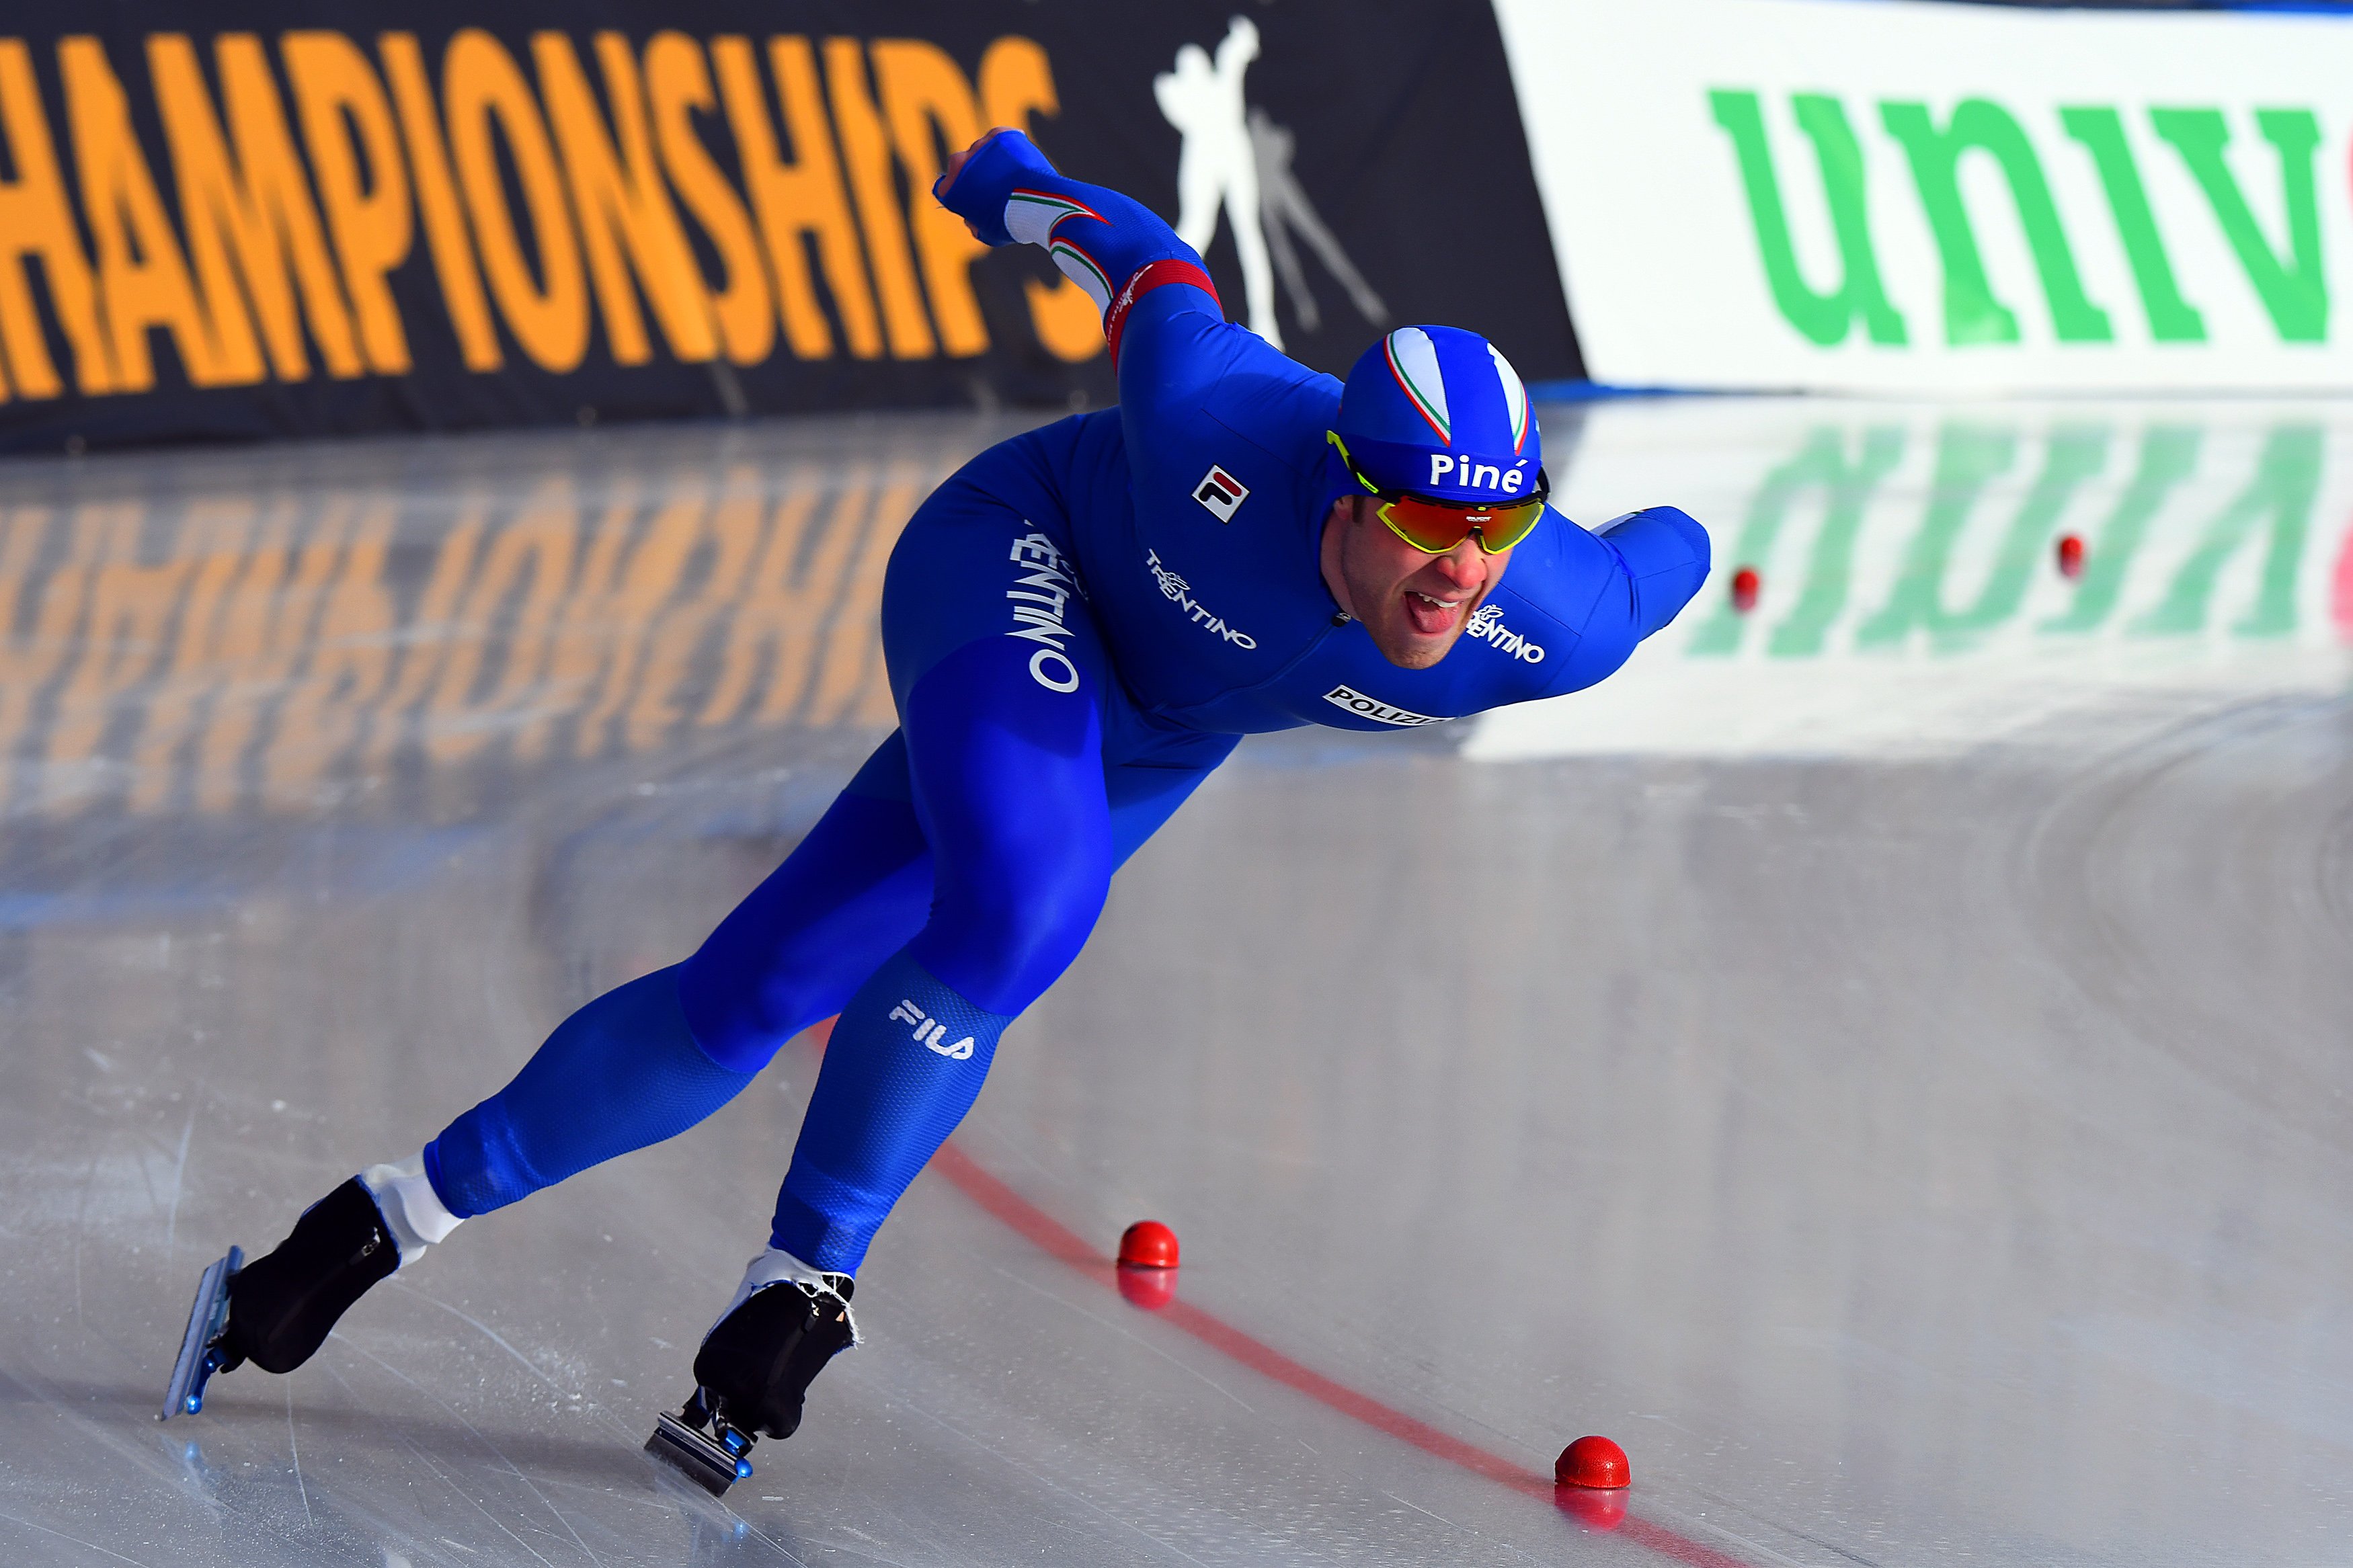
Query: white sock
x=773, y=1266
x=410, y=1207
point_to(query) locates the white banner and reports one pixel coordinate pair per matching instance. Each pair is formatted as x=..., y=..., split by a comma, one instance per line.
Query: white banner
x=1820, y=194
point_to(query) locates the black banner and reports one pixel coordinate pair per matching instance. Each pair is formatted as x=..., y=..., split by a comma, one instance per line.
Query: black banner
x=295, y=220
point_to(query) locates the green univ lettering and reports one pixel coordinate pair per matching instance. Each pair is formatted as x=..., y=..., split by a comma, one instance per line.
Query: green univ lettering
x=1972, y=315
x=2295, y=294
x=2169, y=455
x=1821, y=464
x=1822, y=317
x=2285, y=483
x=1968, y=460
x=2171, y=318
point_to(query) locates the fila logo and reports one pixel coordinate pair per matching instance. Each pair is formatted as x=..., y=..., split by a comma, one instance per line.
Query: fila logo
x=1378, y=711
x=1222, y=493
x=929, y=1031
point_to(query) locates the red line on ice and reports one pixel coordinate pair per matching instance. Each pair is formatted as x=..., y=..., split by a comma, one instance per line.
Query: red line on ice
x=2342, y=606
x=1063, y=1245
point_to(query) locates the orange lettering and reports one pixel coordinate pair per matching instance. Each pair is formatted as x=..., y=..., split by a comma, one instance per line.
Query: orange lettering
x=337, y=90
x=801, y=201
x=623, y=205
x=143, y=275
x=248, y=217
x=866, y=151
x=922, y=89
x=677, y=85
x=436, y=198
x=481, y=84
x=36, y=220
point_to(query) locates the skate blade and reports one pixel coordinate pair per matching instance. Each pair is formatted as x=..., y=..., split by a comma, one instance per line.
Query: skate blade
x=207, y=1321
x=697, y=1454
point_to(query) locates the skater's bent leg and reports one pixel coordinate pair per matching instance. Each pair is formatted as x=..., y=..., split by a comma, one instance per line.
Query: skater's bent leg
x=626, y=1071
x=622, y=1072
x=647, y=1060
x=1007, y=776
x=849, y=895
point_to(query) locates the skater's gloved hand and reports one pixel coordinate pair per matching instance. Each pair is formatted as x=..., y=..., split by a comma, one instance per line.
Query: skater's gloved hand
x=978, y=180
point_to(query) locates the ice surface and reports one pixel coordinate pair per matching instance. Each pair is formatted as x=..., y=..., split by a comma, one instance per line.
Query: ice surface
x=1904, y=1109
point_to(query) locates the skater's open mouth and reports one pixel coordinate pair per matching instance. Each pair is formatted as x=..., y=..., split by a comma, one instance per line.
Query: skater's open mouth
x=1431, y=615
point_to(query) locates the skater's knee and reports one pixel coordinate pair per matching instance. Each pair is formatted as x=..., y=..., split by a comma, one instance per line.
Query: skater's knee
x=741, y=1021
x=852, y=892
x=1002, y=946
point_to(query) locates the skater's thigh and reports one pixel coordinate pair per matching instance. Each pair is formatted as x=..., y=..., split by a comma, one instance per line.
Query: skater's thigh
x=1007, y=769
x=972, y=566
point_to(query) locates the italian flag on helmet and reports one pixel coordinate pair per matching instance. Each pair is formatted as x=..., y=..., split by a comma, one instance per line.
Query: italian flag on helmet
x=1441, y=412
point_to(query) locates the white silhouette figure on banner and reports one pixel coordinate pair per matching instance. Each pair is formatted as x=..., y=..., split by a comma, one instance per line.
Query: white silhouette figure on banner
x=1236, y=161
x=1218, y=167
x=1283, y=206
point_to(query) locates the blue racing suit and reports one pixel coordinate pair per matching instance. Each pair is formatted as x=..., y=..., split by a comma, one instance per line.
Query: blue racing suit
x=1079, y=625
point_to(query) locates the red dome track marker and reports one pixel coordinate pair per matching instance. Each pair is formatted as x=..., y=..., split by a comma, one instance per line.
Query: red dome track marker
x=1147, y=1243
x=1593, y=1462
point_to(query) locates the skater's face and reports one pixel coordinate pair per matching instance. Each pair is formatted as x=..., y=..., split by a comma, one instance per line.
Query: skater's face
x=1414, y=605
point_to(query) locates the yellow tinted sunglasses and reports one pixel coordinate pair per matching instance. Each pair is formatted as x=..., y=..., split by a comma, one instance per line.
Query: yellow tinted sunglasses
x=1436, y=527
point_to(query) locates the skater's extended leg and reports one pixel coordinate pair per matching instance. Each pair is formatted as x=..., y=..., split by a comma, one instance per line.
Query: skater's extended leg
x=621, y=1072
x=627, y=1069
x=1008, y=781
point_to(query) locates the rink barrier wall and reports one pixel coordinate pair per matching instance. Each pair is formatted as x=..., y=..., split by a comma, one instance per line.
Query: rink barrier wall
x=425, y=215
x=1944, y=198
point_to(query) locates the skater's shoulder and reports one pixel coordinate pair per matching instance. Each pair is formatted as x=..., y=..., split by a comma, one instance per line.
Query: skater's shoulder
x=1230, y=383
x=1276, y=404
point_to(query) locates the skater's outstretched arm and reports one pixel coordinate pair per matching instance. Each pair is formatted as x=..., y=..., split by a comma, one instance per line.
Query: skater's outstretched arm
x=1168, y=334
x=1649, y=564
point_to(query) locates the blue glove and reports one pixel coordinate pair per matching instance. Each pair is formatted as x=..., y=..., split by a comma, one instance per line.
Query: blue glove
x=978, y=191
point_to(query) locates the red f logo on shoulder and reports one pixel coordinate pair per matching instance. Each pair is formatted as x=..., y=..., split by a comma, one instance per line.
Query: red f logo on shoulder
x=1221, y=493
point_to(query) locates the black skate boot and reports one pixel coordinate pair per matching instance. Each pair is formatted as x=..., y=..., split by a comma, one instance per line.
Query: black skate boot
x=755, y=1367
x=276, y=1310
x=282, y=1307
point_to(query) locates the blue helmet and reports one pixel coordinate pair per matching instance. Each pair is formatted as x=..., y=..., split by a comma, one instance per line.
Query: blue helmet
x=1439, y=412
